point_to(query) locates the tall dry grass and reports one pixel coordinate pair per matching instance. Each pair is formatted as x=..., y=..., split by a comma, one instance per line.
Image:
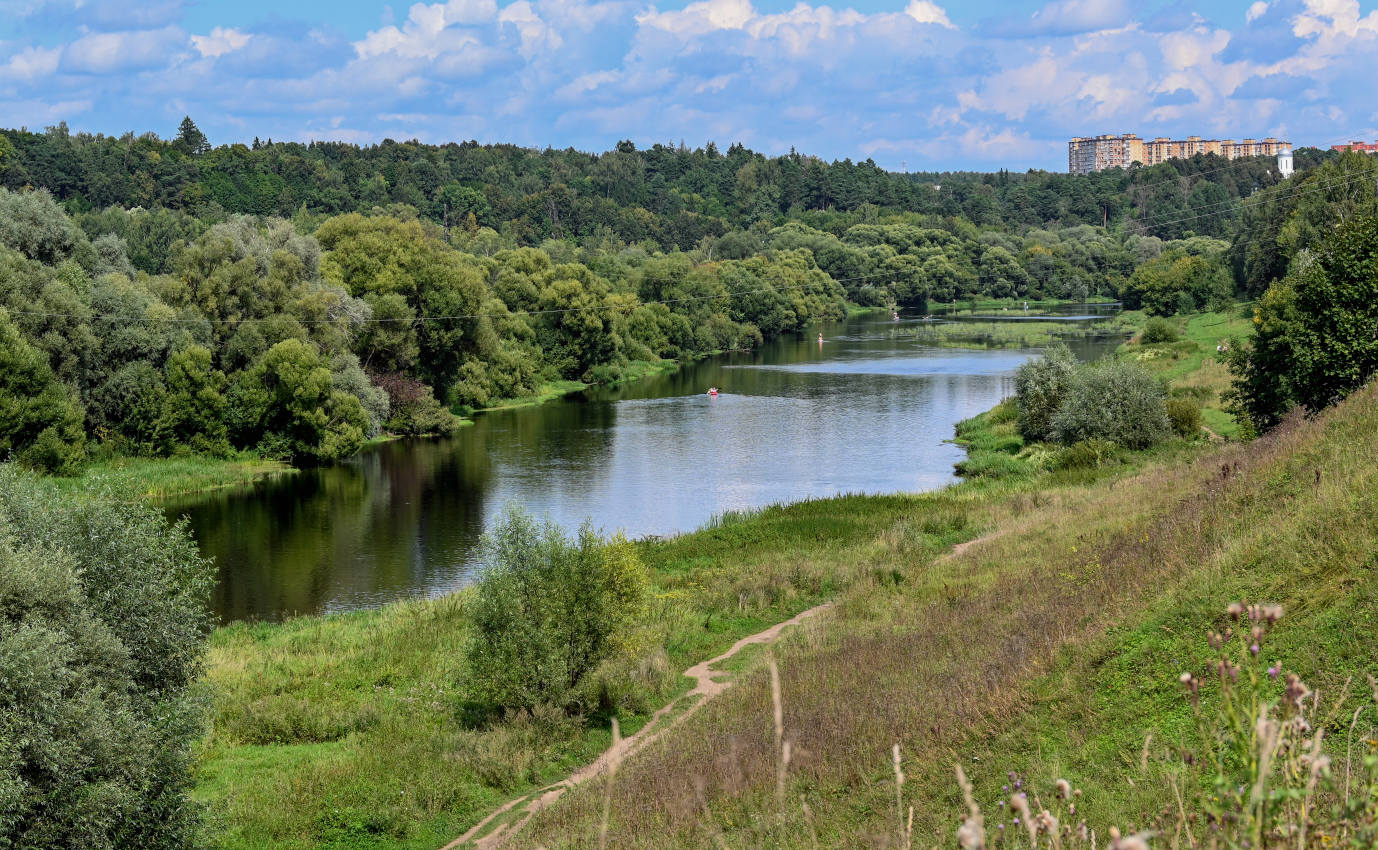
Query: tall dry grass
x=942, y=659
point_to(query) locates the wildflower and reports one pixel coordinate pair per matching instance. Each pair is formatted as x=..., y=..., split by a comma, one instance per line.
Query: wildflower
x=969, y=835
x=1064, y=789
x=1235, y=610
x=1297, y=691
x=1254, y=649
x=1047, y=822
x=1020, y=803
x=1193, y=686
x=1137, y=841
x=1272, y=613
x=1273, y=672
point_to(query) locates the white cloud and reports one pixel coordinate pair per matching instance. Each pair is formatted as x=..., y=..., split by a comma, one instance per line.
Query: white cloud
x=107, y=52
x=31, y=63
x=1192, y=49
x=1256, y=10
x=701, y=17
x=928, y=12
x=219, y=42
x=1064, y=17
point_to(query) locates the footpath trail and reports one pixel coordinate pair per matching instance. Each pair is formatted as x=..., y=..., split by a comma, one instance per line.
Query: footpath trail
x=488, y=834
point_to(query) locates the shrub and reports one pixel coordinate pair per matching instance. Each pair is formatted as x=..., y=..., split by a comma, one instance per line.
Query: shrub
x=549, y=610
x=1114, y=401
x=1185, y=416
x=103, y=614
x=1158, y=330
x=1039, y=387
x=1087, y=454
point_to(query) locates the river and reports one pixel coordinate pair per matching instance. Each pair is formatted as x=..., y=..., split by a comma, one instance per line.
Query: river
x=869, y=410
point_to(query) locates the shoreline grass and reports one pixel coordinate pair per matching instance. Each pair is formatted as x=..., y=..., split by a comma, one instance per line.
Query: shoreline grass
x=161, y=478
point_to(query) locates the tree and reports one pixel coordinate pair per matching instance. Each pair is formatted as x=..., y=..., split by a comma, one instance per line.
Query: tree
x=103, y=618
x=190, y=139
x=1315, y=332
x=39, y=422
x=287, y=404
x=548, y=610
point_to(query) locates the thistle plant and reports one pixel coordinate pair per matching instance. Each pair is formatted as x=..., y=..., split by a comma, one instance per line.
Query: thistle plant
x=1260, y=774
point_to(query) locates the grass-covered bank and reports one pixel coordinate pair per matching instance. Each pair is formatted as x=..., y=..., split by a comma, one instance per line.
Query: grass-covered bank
x=1050, y=649
x=358, y=729
x=159, y=478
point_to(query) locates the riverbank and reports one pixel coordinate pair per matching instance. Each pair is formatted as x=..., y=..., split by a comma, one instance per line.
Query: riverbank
x=350, y=729
x=1051, y=650
x=160, y=478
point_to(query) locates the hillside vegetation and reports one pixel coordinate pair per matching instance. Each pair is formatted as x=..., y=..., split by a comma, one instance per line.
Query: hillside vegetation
x=1051, y=648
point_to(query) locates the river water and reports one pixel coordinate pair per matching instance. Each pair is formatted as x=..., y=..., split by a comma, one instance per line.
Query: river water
x=869, y=410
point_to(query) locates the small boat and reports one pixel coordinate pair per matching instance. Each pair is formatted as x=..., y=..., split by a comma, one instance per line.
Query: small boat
x=713, y=391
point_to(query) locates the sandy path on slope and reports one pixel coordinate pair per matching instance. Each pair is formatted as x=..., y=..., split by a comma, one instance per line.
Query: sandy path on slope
x=706, y=688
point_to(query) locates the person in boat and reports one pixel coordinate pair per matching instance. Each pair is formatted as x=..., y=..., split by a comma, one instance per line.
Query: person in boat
x=820, y=339
x=712, y=390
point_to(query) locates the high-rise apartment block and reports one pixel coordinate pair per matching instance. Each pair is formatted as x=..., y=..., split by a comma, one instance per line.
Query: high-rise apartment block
x=1096, y=153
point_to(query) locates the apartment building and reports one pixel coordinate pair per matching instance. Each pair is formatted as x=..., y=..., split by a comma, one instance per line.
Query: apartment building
x=1361, y=147
x=1095, y=153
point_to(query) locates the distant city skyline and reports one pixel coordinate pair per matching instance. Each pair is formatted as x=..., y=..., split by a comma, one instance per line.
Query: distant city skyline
x=937, y=85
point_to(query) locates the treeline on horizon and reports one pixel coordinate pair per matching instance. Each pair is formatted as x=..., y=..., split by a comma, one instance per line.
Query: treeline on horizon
x=161, y=297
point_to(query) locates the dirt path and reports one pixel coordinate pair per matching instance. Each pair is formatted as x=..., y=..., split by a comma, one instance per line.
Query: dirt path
x=706, y=688
x=960, y=548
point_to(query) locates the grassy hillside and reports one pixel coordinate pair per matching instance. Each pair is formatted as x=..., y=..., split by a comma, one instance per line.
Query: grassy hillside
x=1051, y=648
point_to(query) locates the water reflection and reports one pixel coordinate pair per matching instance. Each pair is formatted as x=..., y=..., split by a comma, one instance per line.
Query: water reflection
x=869, y=411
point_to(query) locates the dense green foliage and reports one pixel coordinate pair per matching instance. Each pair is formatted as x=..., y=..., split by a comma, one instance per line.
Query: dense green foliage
x=1039, y=387
x=1316, y=331
x=102, y=622
x=296, y=300
x=670, y=195
x=1116, y=401
x=548, y=610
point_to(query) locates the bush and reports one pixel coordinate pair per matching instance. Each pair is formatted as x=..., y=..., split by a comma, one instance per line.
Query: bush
x=1039, y=387
x=103, y=614
x=1185, y=416
x=1158, y=330
x=549, y=610
x=1087, y=454
x=1114, y=401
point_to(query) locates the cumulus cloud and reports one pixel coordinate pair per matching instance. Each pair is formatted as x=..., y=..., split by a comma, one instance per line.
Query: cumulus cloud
x=1062, y=17
x=903, y=81
x=31, y=63
x=109, y=52
x=219, y=42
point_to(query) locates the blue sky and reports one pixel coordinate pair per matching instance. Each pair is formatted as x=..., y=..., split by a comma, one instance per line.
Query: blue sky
x=936, y=84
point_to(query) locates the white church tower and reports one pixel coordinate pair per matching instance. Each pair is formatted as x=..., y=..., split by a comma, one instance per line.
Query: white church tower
x=1285, y=163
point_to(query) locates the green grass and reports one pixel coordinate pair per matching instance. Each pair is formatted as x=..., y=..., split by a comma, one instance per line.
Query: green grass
x=368, y=712
x=1052, y=650
x=158, y=478
x=1193, y=363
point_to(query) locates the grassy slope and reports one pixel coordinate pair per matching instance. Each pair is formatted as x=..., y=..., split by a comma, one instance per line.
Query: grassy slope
x=350, y=730
x=1192, y=361
x=1051, y=649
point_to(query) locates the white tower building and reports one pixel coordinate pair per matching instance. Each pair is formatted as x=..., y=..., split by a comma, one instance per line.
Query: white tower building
x=1285, y=163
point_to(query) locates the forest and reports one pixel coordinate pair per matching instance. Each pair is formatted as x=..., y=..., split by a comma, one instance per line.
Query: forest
x=161, y=297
